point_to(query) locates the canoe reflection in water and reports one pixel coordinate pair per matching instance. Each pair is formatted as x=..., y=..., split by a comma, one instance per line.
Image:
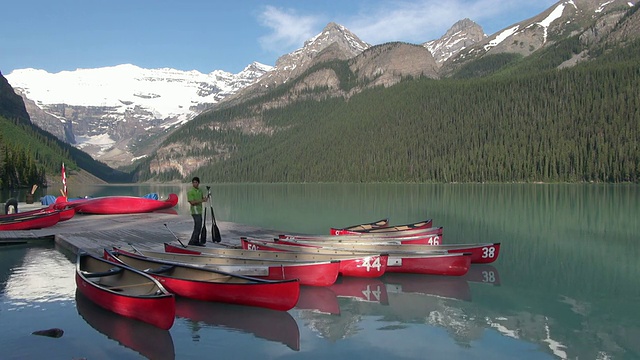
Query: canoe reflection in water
x=483, y=273
x=451, y=287
x=146, y=339
x=272, y=325
x=361, y=289
x=318, y=300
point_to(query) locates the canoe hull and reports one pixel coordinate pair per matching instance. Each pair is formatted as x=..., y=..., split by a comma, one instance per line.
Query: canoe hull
x=44, y=219
x=447, y=264
x=114, y=205
x=194, y=283
x=316, y=273
x=435, y=262
x=158, y=310
x=427, y=238
x=482, y=253
x=365, y=265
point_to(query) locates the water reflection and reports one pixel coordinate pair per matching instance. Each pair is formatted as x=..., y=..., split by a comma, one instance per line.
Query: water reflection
x=263, y=323
x=28, y=284
x=452, y=287
x=360, y=289
x=148, y=340
x=319, y=300
x=565, y=285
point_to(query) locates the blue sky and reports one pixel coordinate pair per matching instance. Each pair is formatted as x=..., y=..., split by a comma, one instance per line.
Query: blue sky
x=208, y=35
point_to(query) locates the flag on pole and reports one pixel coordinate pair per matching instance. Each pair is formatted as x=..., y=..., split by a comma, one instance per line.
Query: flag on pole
x=64, y=181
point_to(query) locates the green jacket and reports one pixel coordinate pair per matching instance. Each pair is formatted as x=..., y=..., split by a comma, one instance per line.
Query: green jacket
x=195, y=194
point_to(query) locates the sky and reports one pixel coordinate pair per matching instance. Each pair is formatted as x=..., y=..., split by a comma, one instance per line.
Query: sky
x=228, y=35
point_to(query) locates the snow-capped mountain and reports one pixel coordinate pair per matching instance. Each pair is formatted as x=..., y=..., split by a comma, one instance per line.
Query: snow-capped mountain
x=333, y=42
x=590, y=18
x=112, y=112
x=103, y=111
x=463, y=34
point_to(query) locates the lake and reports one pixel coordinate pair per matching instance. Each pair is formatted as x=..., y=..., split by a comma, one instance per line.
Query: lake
x=566, y=284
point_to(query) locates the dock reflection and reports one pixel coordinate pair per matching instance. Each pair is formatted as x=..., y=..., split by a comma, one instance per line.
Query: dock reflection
x=147, y=340
x=272, y=325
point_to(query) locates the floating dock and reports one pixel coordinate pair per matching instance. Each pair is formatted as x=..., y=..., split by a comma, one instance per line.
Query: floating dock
x=148, y=231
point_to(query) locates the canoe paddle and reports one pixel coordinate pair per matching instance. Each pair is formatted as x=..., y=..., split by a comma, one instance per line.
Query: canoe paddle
x=174, y=235
x=214, y=227
x=203, y=232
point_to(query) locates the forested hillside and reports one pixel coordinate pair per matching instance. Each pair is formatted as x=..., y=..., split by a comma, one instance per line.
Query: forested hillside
x=511, y=120
x=30, y=155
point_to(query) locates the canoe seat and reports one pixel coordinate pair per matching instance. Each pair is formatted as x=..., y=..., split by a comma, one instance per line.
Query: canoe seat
x=112, y=271
x=161, y=270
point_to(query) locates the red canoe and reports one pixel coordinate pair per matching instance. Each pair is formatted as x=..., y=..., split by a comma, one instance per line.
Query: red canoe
x=66, y=212
x=124, y=291
x=312, y=273
x=37, y=219
x=212, y=285
x=384, y=229
x=429, y=236
x=366, y=226
x=481, y=253
x=433, y=262
x=110, y=205
x=366, y=265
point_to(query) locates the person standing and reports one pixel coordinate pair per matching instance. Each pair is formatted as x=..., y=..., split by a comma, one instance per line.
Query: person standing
x=196, y=198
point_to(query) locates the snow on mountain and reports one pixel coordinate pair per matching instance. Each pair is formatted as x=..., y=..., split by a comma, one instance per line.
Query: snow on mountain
x=105, y=110
x=167, y=93
x=463, y=34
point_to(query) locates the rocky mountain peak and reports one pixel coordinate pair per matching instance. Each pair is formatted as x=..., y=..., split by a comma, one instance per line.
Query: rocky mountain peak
x=463, y=34
x=592, y=19
x=345, y=45
x=333, y=42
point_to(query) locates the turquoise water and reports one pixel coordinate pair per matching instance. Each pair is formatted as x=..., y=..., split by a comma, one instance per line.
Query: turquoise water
x=565, y=285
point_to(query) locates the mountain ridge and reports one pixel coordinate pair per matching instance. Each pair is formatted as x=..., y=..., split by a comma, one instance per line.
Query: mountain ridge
x=301, y=75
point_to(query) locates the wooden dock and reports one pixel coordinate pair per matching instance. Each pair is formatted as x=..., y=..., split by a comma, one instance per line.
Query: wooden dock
x=147, y=231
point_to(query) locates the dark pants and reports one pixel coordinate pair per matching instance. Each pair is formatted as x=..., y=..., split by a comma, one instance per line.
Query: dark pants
x=197, y=227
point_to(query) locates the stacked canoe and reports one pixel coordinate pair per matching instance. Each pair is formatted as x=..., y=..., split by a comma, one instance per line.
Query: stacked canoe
x=269, y=273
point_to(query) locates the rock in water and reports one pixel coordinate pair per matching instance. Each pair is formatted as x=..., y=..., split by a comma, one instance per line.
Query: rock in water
x=54, y=333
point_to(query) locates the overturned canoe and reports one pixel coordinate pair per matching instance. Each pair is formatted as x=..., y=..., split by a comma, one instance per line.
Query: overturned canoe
x=213, y=285
x=111, y=205
x=124, y=291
